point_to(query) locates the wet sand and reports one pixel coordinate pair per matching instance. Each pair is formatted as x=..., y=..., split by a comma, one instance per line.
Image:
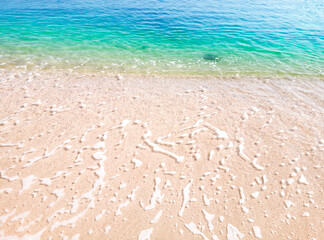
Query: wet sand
x=106, y=157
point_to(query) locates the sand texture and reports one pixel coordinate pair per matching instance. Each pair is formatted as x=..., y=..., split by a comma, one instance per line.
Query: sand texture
x=105, y=157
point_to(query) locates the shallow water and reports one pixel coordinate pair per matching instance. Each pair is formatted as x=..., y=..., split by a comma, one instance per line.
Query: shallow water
x=149, y=36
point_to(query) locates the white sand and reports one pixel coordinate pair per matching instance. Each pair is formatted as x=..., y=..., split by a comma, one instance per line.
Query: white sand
x=94, y=157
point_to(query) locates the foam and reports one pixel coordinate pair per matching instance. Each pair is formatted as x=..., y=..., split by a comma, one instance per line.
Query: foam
x=145, y=234
x=99, y=145
x=107, y=229
x=206, y=200
x=255, y=165
x=242, y=200
x=27, y=182
x=157, y=195
x=209, y=218
x=46, y=181
x=211, y=155
x=6, y=190
x=241, y=149
x=233, y=233
x=257, y=232
x=36, y=236
x=164, y=143
x=185, y=194
x=158, y=149
x=157, y=217
x=137, y=163
x=193, y=228
x=24, y=228
x=120, y=206
x=303, y=180
x=69, y=221
x=219, y=133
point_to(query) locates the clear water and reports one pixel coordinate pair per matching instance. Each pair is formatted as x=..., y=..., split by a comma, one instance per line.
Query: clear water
x=265, y=37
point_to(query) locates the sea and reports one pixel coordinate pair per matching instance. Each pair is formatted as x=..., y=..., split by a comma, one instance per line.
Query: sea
x=167, y=37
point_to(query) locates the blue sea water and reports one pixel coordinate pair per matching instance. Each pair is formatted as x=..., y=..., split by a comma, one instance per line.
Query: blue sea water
x=228, y=37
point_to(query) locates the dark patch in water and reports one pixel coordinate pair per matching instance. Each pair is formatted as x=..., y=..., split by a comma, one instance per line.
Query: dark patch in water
x=211, y=57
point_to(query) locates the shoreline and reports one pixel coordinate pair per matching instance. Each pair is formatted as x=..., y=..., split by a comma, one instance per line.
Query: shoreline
x=164, y=75
x=94, y=156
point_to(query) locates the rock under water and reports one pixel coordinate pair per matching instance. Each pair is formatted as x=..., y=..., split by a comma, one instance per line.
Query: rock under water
x=211, y=57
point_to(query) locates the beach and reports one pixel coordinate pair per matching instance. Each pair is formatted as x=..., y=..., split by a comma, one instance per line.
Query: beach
x=107, y=156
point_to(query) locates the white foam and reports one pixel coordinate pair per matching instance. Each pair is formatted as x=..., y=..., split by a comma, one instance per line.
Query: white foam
x=20, y=217
x=192, y=228
x=33, y=160
x=257, y=232
x=46, y=181
x=131, y=196
x=6, y=190
x=169, y=173
x=4, y=218
x=25, y=153
x=255, y=165
x=264, y=179
x=145, y=234
x=211, y=155
x=245, y=209
x=76, y=237
x=255, y=194
x=27, y=182
x=185, y=193
x=290, y=181
x=219, y=133
x=241, y=149
x=48, y=154
x=37, y=103
x=55, y=214
x=82, y=139
x=242, y=200
x=167, y=184
x=18, y=145
x=197, y=156
x=303, y=180
x=24, y=228
x=10, y=179
x=124, y=123
x=107, y=229
x=157, y=217
x=58, y=193
x=69, y=221
x=206, y=200
x=99, y=155
x=157, y=195
x=158, y=149
x=99, y=145
x=36, y=236
x=288, y=203
x=168, y=144
x=233, y=233
x=137, y=163
x=99, y=216
x=197, y=131
x=209, y=217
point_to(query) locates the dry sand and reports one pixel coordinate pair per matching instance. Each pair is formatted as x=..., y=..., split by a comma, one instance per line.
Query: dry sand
x=96, y=157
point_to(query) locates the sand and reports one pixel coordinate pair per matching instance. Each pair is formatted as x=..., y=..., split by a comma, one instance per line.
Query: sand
x=143, y=157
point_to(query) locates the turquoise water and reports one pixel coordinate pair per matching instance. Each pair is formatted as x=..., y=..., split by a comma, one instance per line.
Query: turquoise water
x=150, y=36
